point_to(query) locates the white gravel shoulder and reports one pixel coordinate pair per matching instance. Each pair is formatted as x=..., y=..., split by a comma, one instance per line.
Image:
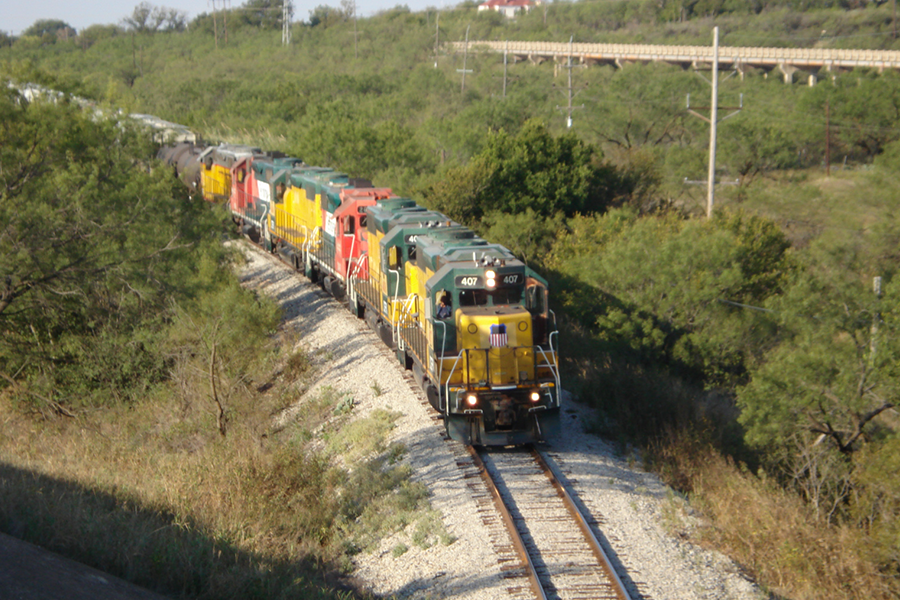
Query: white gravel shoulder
x=632, y=506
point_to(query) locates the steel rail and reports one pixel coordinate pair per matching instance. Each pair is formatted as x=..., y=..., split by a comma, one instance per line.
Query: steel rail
x=506, y=517
x=555, y=478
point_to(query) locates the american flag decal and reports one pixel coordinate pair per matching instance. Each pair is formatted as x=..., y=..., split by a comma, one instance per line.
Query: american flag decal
x=498, y=336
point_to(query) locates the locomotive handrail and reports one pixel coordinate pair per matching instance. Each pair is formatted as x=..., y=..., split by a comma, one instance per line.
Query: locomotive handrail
x=350, y=261
x=352, y=276
x=443, y=349
x=449, y=377
x=404, y=311
x=548, y=363
x=311, y=239
x=266, y=233
x=554, y=368
x=307, y=247
x=394, y=301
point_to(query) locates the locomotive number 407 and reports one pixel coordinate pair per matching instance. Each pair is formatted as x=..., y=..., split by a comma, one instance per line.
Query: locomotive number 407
x=469, y=281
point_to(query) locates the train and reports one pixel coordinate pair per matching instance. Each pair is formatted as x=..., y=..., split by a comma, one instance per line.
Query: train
x=469, y=319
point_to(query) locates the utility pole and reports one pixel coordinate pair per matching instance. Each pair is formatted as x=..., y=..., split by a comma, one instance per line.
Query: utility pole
x=437, y=32
x=713, y=121
x=827, y=139
x=505, y=63
x=287, y=11
x=215, y=23
x=569, y=108
x=225, y=19
x=876, y=287
x=464, y=70
x=355, y=34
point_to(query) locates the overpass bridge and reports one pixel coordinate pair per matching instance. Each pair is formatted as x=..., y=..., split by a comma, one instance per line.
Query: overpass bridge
x=788, y=61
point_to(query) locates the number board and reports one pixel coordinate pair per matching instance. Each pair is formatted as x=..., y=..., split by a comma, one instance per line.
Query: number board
x=411, y=239
x=509, y=278
x=469, y=282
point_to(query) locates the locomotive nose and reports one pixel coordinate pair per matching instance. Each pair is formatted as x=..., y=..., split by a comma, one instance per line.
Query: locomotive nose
x=495, y=327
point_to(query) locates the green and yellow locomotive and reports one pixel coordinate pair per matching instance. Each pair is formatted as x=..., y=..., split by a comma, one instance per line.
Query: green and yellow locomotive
x=469, y=319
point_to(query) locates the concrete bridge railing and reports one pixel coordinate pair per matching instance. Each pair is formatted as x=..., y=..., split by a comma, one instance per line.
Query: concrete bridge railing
x=729, y=56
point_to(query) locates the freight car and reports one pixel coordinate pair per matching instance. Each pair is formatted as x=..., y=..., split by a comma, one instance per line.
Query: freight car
x=469, y=319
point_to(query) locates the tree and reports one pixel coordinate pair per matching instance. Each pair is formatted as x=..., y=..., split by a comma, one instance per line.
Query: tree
x=92, y=243
x=642, y=105
x=531, y=170
x=325, y=16
x=218, y=343
x=263, y=13
x=864, y=110
x=529, y=236
x=750, y=147
x=669, y=290
x=48, y=26
x=818, y=398
x=149, y=18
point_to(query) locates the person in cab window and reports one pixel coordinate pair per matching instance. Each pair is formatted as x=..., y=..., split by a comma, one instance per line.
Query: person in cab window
x=443, y=311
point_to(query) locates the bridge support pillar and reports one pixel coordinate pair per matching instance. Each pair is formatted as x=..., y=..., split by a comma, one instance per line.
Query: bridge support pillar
x=834, y=71
x=788, y=72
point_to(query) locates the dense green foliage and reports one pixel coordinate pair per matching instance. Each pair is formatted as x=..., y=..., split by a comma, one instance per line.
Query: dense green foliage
x=96, y=247
x=759, y=326
x=532, y=171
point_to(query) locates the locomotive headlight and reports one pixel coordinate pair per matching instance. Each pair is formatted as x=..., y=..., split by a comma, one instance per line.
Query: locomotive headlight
x=471, y=399
x=535, y=396
x=490, y=280
x=490, y=274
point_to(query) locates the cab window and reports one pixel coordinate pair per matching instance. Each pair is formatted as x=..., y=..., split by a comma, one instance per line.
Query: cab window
x=535, y=299
x=507, y=296
x=473, y=297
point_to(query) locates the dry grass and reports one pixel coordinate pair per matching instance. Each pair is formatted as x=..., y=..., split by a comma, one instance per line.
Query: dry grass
x=153, y=494
x=772, y=532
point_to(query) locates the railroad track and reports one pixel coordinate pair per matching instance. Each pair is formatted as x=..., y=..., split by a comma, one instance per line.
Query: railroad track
x=560, y=555
x=547, y=549
x=546, y=546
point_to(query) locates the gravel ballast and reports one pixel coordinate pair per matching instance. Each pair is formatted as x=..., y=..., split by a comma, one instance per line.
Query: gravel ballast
x=633, y=507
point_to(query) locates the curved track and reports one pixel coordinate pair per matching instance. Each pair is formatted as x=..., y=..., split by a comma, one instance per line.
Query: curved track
x=554, y=553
